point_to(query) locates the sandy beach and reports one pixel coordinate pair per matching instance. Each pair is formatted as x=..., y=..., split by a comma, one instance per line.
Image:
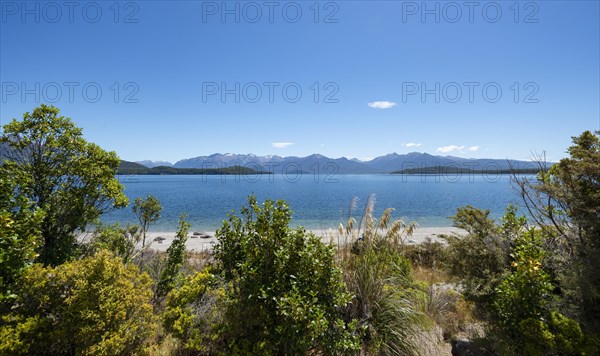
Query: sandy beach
x=160, y=241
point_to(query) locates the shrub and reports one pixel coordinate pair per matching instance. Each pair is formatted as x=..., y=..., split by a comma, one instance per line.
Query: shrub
x=523, y=304
x=96, y=305
x=176, y=258
x=558, y=335
x=194, y=313
x=429, y=254
x=526, y=292
x=121, y=241
x=19, y=238
x=564, y=201
x=286, y=294
x=481, y=258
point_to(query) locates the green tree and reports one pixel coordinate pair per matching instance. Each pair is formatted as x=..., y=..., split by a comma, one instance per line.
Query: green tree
x=147, y=210
x=19, y=236
x=524, y=308
x=176, y=258
x=286, y=294
x=481, y=258
x=526, y=291
x=121, y=241
x=71, y=180
x=96, y=305
x=564, y=201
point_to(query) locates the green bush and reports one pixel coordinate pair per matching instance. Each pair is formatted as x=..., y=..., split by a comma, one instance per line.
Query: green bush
x=524, y=308
x=558, y=335
x=285, y=294
x=121, y=241
x=20, y=237
x=96, y=305
x=428, y=254
x=526, y=292
x=195, y=311
x=564, y=201
x=176, y=256
x=481, y=258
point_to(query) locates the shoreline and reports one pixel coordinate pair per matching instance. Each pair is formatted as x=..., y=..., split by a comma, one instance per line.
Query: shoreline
x=161, y=240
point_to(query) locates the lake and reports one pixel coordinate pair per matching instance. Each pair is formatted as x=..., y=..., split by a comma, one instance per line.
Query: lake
x=317, y=201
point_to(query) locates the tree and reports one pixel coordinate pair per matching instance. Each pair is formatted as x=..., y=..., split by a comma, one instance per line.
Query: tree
x=121, y=241
x=481, y=258
x=523, y=304
x=71, y=180
x=564, y=201
x=96, y=305
x=175, y=260
x=148, y=212
x=19, y=236
x=286, y=294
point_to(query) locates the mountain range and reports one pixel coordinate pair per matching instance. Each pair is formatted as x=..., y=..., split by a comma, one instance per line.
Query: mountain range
x=317, y=163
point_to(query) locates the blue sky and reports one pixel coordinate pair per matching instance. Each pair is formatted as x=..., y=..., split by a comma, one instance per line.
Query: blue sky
x=370, y=60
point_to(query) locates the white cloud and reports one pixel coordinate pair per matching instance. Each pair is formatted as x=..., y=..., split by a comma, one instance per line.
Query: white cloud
x=281, y=144
x=382, y=104
x=450, y=148
x=455, y=148
x=411, y=144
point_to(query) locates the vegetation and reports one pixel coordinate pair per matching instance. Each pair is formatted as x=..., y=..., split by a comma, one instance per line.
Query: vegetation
x=387, y=303
x=121, y=241
x=71, y=180
x=96, y=305
x=147, y=210
x=195, y=313
x=19, y=237
x=175, y=261
x=132, y=168
x=482, y=256
x=564, y=202
x=521, y=285
x=284, y=292
x=444, y=170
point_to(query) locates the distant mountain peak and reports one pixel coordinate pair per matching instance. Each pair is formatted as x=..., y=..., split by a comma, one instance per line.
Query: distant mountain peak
x=391, y=162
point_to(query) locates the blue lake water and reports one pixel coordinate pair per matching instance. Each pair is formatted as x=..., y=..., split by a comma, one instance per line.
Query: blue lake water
x=316, y=200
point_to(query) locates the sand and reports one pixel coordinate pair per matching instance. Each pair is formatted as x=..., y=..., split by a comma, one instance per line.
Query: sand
x=198, y=244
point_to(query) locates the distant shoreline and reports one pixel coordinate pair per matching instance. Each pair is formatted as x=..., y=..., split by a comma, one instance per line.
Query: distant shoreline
x=199, y=244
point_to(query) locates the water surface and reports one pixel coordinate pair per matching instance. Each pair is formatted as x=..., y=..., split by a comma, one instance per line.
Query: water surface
x=317, y=201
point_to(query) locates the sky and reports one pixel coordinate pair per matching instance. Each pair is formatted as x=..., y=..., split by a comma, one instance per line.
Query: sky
x=168, y=80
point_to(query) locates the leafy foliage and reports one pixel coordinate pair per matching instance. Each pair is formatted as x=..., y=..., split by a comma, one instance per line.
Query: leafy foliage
x=147, y=210
x=175, y=260
x=19, y=236
x=481, y=258
x=139, y=169
x=527, y=290
x=71, y=180
x=121, y=241
x=195, y=311
x=565, y=203
x=524, y=308
x=286, y=294
x=96, y=305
